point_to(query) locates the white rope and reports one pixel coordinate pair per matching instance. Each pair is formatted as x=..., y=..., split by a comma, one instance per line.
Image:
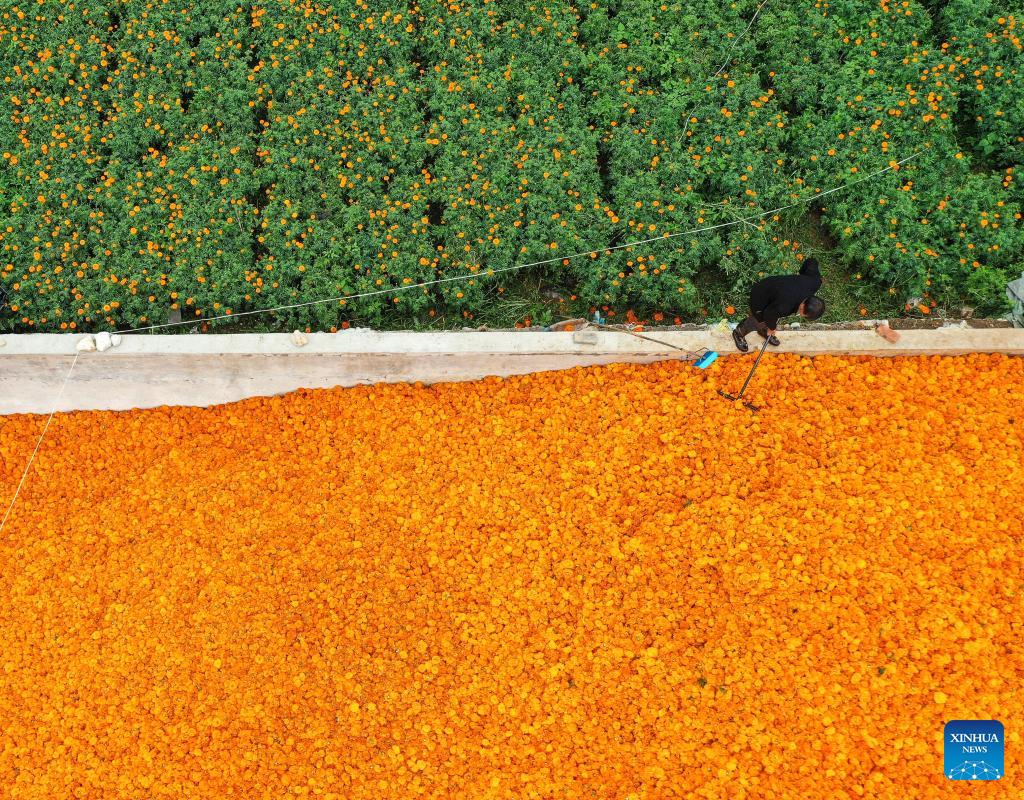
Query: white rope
x=728, y=56
x=488, y=272
x=737, y=40
x=39, y=442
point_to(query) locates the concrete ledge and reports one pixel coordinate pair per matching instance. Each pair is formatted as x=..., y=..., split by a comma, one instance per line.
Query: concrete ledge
x=145, y=371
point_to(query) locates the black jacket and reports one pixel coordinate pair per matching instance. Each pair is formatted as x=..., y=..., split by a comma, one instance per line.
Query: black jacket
x=781, y=295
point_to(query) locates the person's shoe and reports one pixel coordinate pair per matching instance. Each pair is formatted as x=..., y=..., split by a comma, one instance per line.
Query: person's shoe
x=741, y=343
x=773, y=340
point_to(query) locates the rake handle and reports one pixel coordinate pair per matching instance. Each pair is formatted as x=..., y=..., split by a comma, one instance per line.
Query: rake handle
x=751, y=374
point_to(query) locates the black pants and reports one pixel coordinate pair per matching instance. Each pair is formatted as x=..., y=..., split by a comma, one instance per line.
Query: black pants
x=752, y=323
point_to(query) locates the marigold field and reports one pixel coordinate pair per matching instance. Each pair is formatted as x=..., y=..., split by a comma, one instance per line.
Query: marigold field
x=605, y=582
x=212, y=158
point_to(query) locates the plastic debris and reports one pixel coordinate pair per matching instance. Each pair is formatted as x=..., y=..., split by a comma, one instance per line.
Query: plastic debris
x=106, y=340
x=86, y=344
x=299, y=339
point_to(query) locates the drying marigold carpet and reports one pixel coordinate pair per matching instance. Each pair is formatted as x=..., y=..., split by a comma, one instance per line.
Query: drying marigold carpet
x=599, y=583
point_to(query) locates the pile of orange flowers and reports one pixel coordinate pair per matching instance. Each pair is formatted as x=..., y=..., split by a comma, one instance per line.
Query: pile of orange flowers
x=602, y=582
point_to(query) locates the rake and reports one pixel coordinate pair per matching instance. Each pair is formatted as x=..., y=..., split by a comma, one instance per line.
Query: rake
x=705, y=360
x=749, y=405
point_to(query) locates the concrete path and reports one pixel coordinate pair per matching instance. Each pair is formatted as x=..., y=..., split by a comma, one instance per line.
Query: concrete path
x=145, y=371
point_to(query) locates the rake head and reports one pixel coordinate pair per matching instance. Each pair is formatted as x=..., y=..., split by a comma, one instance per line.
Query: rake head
x=705, y=360
x=749, y=405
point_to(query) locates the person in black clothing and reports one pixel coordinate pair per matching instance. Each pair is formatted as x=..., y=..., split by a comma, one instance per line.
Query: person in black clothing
x=779, y=296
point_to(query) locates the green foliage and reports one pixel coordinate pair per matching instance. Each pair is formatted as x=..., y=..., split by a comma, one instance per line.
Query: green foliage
x=217, y=158
x=888, y=93
x=985, y=39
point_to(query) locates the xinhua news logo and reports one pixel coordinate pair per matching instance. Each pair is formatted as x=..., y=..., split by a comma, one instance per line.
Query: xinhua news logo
x=973, y=750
